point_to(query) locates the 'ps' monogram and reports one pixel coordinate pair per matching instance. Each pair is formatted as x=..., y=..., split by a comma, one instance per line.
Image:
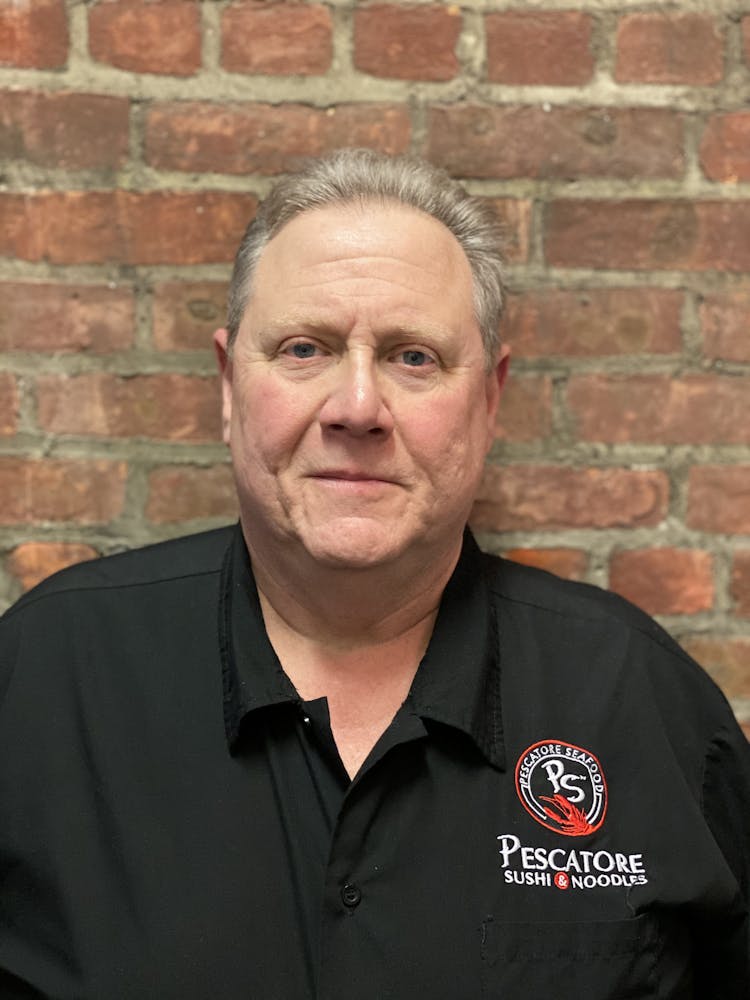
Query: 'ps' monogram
x=562, y=782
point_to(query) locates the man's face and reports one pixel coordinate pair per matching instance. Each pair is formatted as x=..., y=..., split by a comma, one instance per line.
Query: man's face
x=357, y=402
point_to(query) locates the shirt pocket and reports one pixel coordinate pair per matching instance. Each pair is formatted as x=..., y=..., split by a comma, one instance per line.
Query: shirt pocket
x=613, y=960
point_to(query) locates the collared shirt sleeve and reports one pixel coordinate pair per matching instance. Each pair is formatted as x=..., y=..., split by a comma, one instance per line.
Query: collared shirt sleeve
x=722, y=950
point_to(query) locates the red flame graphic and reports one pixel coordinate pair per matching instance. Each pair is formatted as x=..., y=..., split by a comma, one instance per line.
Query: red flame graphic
x=569, y=817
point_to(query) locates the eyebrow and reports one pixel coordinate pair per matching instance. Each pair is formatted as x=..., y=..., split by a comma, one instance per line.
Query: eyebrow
x=321, y=325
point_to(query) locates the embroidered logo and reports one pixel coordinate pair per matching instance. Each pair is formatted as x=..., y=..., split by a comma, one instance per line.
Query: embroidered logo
x=562, y=786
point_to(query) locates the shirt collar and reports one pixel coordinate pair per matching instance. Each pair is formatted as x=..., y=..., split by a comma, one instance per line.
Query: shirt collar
x=251, y=672
x=457, y=683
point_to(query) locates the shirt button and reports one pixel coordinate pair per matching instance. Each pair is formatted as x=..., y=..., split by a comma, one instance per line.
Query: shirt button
x=351, y=895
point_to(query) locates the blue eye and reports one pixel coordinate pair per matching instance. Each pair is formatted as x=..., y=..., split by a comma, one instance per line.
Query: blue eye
x=415, y=359
x=303, y=350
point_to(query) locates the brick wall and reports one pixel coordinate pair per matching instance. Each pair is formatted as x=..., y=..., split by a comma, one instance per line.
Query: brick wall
x=136, y=137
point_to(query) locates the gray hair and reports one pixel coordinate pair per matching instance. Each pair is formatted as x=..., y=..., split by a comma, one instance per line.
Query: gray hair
x=361, y=175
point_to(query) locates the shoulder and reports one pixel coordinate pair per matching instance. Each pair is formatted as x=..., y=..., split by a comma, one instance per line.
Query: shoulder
x=120, y=607
x=596, y=637
x=546, y=596
x=186, y=558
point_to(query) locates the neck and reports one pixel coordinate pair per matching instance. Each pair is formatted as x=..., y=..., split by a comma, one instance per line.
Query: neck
x=355, y=637
x=341, y=608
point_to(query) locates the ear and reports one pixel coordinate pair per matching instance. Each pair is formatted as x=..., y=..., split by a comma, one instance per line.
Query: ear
x=494, y=388
x=224, y=361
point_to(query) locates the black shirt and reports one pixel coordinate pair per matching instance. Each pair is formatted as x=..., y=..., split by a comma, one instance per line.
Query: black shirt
x=559, y=809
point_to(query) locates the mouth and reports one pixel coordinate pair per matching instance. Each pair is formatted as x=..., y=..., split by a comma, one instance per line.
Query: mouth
x=345, y=477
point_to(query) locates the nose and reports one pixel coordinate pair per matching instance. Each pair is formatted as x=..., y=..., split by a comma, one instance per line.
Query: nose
x=355, y=401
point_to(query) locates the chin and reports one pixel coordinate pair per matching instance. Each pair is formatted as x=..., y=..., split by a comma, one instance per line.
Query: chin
x=358, y=546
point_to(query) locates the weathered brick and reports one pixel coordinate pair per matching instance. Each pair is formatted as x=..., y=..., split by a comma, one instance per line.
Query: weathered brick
x=727, y=660
x=152, y=227
x=185, y=228
x=539, y=47
x=725, y=147
x=515, y=217
x=528, y=497
x=186, y=313
x=650, y=235
x=265, y=138
x=664, y=581
x=69, y=131
x=32, y=562
x=185, y=492
x=163, y=407
x=33, y=34
x=594, y=322
x=659, y=409
x=293, y=38
x=41, y=316
x=719, y=498
x=568, y=563
x=39, y=490
x=525, y=412
x=746, y=38
x=498, y=141
x=147, y=36
x=725, y=322
x=8, y=404
x=407, y=43
x=669, y=47
x=741, y=583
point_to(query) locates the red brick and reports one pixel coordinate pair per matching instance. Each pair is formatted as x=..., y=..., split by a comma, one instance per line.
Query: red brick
x=525, y=412
x=528, y=497
x=724, y=150
x=669, y=48
x=39, y=490
x=659, y=409
x=664, y=581
x=650, y=235
x=33, y=34
x=594, y=322
x=186, y=313
x=727, y=660
x=568, y=563
x=69, y=131
x=39, y=316
x=293, y=38
x=725, y=321
x=265, y=138
x=407, y=43
x=545, y=47
x=8, y=404
x=503, y=142
x=147, y=36
x=719, y=498
x=741, y=583
x=515, y=217
x=186, y=492
x=153, y=227
x=33, y=562
x=163, y=407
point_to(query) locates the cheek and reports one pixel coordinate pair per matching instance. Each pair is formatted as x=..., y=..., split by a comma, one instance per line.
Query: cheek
x=268, y=422
x=449, y=443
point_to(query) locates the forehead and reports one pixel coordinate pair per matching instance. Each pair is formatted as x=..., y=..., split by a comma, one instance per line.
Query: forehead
x=389, y=254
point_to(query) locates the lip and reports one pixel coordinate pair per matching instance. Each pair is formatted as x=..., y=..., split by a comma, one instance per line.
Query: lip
x=350, y=476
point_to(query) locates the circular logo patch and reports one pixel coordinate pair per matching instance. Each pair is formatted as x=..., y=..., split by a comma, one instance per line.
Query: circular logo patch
x=562, y=786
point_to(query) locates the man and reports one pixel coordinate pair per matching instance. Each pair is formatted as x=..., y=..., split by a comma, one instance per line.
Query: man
x=336, y=751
